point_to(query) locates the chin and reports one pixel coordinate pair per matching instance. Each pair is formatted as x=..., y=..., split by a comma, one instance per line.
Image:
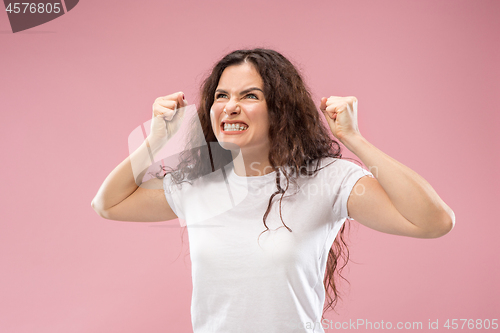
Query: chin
x=229, y=145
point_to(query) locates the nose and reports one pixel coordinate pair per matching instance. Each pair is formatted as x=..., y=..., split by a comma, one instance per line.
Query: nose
x=232, y=107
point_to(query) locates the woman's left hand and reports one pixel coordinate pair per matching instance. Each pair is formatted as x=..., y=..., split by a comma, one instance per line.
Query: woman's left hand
x=342, y=115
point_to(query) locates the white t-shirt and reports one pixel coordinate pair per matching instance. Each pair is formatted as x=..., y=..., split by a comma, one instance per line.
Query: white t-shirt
x=272, y=284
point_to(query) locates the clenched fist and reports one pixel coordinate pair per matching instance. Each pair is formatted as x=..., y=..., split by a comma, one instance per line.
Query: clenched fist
x=168, y=112
x=341, y=114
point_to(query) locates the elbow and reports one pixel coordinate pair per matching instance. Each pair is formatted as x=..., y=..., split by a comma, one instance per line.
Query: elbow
x=101, y=212
x=451, y=222
x=444, y=224
x=448, y=220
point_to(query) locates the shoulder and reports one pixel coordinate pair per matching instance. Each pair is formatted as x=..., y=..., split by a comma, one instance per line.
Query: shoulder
x=333, y=172
x=341, y=175
x=189, y=178
x=174, y=179
x=340, y=166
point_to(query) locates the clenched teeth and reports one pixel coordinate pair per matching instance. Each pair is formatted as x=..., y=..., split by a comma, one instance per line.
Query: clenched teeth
x=234, y=127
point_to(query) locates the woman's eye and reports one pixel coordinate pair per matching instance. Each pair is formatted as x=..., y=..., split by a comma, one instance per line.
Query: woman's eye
x=220, y=95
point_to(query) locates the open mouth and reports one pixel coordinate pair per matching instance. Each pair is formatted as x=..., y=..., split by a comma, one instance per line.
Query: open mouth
x=234, y=127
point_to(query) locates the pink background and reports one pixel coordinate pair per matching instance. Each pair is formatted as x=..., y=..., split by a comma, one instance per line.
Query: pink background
x=426, y=74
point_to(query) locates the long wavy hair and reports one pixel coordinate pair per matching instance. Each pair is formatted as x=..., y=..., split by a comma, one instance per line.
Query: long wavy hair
x=298, y=138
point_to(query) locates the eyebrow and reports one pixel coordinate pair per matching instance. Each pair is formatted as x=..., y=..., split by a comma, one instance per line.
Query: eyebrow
x=243, y=92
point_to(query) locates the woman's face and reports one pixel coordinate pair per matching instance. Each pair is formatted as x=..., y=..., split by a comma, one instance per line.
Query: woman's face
x=245, y=122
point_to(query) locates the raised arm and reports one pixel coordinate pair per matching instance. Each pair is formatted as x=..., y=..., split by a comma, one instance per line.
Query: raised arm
x=398, y=200
x=120, y=197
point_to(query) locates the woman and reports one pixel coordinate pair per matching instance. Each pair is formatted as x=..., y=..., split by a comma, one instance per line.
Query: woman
x=265, y=227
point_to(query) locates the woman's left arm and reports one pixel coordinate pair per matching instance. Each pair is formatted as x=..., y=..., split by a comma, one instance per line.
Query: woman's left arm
x=398, y=200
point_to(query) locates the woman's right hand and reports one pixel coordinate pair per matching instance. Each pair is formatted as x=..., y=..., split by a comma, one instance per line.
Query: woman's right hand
x=168, y=112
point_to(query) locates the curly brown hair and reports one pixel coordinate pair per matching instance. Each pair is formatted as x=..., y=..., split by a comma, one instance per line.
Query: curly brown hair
x=297, y=138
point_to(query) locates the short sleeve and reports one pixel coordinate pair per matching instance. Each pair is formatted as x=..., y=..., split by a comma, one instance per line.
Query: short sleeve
x=171, y=194
x=351, y=173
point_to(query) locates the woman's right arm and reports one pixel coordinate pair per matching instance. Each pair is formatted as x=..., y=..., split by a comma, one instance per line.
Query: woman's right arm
x=119, y=197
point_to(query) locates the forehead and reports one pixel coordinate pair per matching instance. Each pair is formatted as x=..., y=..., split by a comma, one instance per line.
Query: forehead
x=240, y=76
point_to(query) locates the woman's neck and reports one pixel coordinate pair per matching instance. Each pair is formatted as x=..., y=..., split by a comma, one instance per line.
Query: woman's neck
x=251, y=165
